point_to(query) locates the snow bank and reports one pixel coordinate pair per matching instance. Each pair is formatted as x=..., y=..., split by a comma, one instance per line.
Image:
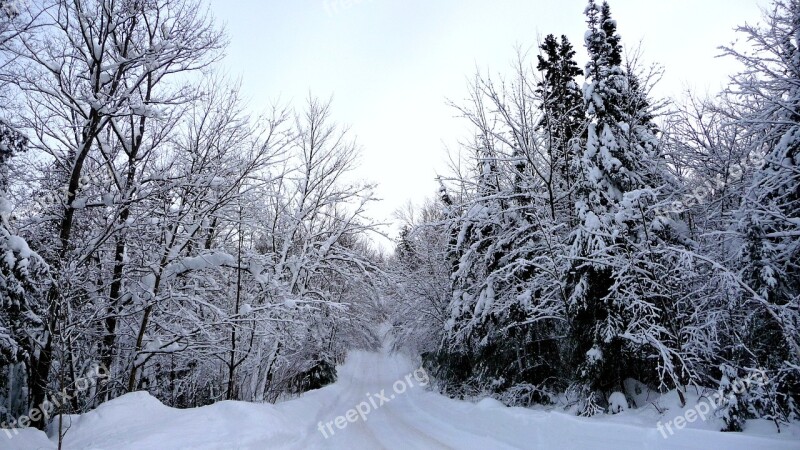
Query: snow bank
x=138, y=420
x=26, y=438
x=413, y=418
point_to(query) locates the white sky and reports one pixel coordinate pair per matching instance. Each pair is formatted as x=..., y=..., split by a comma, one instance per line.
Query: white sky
x=391, y=65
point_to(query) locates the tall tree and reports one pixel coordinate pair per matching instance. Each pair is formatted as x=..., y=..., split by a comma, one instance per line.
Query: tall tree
x=91, y=73
x=563, y=114
x=618, y=298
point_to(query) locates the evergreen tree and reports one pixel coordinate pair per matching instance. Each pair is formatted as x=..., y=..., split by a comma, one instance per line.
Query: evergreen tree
x=11, y=143
x=480, y=227
x=563, y=114
x=507, y=308
x=618, y=294
x=23, y=277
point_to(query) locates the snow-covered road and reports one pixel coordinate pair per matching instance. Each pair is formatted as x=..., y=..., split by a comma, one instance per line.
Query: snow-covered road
x=420, y=419
x=402, y=415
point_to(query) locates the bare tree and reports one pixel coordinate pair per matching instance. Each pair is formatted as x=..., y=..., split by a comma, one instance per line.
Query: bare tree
x=87, y=69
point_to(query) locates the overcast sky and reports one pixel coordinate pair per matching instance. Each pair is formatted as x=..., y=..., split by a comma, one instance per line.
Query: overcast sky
x=391, y=65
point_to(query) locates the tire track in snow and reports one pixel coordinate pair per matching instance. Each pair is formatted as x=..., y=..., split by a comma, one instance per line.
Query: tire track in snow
x=391, y=423
x=341, y=396
x=442, y=426
x=403, y=423
x=381, y=429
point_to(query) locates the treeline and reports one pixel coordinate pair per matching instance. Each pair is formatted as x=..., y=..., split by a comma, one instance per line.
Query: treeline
x=591, y=240
x=152, y=227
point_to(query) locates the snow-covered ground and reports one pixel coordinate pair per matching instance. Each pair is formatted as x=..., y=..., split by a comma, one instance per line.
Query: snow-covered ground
x=390, y=409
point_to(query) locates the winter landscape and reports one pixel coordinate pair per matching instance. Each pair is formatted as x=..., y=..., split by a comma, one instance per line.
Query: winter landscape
x=555, y=251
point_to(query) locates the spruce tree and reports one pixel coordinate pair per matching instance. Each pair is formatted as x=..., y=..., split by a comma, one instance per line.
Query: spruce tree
x=618, y=297
x=479, y=230
x=563, y=114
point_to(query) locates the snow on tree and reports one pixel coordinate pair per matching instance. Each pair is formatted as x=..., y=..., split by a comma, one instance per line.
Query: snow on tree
x=91, y=74
x=619, y=297
x=23, y=279
x=769, y=216
x=196, y=251
x=419, y=279
x=506, y=310
x=586, y=242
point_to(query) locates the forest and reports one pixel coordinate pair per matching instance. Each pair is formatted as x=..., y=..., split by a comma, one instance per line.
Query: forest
x=589, y=242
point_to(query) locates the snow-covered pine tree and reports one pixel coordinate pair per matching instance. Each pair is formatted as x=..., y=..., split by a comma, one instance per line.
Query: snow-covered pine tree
x=478, y=230
x=507, y=309
x=619, y=285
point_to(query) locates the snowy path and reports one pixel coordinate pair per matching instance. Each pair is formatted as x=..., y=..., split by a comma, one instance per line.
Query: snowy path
x=420, y=419
x=407, y=420
x=414, y=419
